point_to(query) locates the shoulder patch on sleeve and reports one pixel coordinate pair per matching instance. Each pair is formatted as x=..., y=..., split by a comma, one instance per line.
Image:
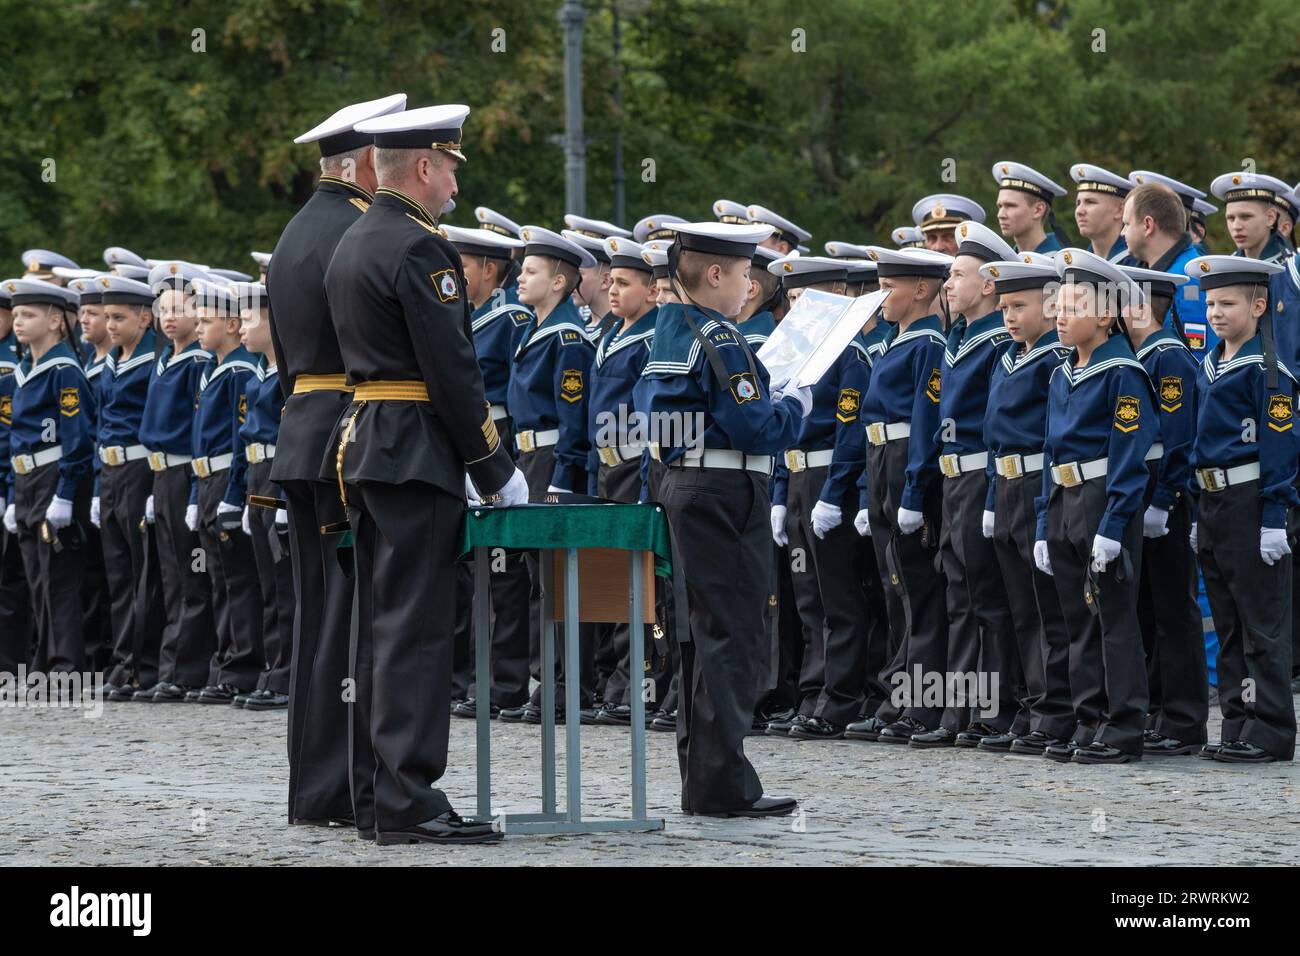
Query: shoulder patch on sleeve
x=1127, y=412
x=846, y=406
x=444, y=282
x=69, y=401
x=6, y=410
x=569, y=337
x=571, y=385
x=744, y=388
x=1280, y=412
x=1171, y=393
x=243, y=408
x=933, y=385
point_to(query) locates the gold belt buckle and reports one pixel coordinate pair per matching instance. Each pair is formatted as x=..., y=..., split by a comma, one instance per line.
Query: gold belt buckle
x=950, y=466
x=253, y=453
x=1210, y=479
x=1010, y=465
x=608, y=456
x=157, y=461
x=796, y=460
x=525, y=440
x=113, y=455
x=23, y=464
x=201, y=467
x=876, y=433
x=1069, y=475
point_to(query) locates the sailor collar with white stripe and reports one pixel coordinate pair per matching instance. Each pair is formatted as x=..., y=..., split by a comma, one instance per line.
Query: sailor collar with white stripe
x=223, y=367
x=616, y=339
x=1251, y=353
x=712, y=321
x=493, y=314
x=60, y=355
x=1293, y=270
x=1113, y=353
x=983, y=330
x=928, y=327
x=143, y=355
x=191, y=352
x=1048, y=343
x=560, y=320
x=1161, y=338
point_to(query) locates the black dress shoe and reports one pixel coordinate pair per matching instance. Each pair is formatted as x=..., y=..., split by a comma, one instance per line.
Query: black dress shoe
x=587, y=716
x=217, y=694
x=339, y=823
x=533, y=714
x=192, y=694
x=997, y=743
x=867, y=729
x=762, y=721
x=1238, y=751
x=267, y=700
x=665, y=722
x=781, y=726
x=816, y=728
x=1035, y=742
x=1097, y=752
x=615, y=715
x=1208, y=751
x=762, y=807
x=240, y=699
x=1062, y=751
x=1158, y=745
x=902, y=730
x=972, y=735
x=448, y=829
x=169, y=693
x=468, y=708
x=122, y=692
x=145, y=695
x=939, y=737
x=512, y=715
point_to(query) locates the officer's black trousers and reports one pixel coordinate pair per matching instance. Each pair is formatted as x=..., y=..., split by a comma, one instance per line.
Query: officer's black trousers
x=236, y=593
x=801, y=494
x=663, y=692
x=1108, y=678
x=406, y=540
x=1251, y=605
x=123, y=491
x=982, y=654
x=190, y=637
x=1041, y=637
x=913, y=581
x=1174, y=639
x=320, y=782
x=721, y=522
x=54, y=576
x=275, y=575
x=96, y=619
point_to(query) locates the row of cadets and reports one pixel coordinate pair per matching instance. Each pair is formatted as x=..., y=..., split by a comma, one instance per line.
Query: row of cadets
x=1014, y=433
x=592, y=293
x=1243, y=485
x=549, y=382
x=189, y=636
x=939, y=215
x=899, y=494
x=217, y=498
x=1025, y=208
x=1168, y=611
x=714, y=490
x=1099, y=211
x=796, y=487
x=266, y=520
x=981, y=635
x=1155, y=228
x=1100, y=426
x=497, y=323
x=908, y=237
x=51, y=444
x=16, y=627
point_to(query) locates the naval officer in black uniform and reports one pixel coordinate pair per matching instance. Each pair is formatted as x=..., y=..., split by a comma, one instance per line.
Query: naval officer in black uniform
x=311, y=376
x=419, y=420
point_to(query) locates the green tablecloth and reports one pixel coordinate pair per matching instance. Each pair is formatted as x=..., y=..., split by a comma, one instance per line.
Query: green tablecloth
x=527, y=527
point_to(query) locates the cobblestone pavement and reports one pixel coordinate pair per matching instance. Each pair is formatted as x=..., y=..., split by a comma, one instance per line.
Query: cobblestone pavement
x=189, y=784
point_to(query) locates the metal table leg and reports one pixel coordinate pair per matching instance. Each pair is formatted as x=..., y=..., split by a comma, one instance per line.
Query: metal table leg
x=572, y=689
x=636, y=663
x=548, y=680
x=483, y=681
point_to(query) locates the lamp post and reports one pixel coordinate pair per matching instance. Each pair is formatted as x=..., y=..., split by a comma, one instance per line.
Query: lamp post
x=572, y=17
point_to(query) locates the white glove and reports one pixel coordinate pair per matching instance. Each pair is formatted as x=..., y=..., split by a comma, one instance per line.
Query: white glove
x=778, y=525
x=471, y=493
x=986, y=524
x=825, y=517
x=1155, y=522
x=1273, y=545
x=192, y=517
x=11, y=520
x=225, y=507
x=909, y=521
x=281, y=517
x=789, y=390
x=1104, y=551
x=94, y=511
x=243, y=523
x=515, y=491
x=861, y=524
x=556, y=490
x=148, y=510
x=1192, y=538
x=59, y=513
x=1040, y=557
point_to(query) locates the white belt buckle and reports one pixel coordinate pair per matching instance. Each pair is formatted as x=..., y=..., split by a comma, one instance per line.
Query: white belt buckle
x=950, y=466
x=525, y=440
x=1009, y=466
x=1068, y=475
x=24, y=464
x=876, y=433
x=796, y=460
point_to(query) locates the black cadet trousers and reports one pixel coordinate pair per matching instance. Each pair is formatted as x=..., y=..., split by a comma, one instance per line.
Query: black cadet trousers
x=236, y=594
x=1251, y=605
x=137, y=623
x=17, y=627
x=189, y=638
x=53, y=573
x=275, y=576
x=802, y=488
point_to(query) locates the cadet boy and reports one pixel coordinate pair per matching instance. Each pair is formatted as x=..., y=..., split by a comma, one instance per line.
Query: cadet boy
x=1100, y=425
x=1014, y=431
x=1099, y=211
x=937, y=217
x=766, y=296
x=1244, y=480
x=1250, y=206
x=592, y=293
x=715, y=492
x=16, y=633
x=785, y=237
x=1025, y=208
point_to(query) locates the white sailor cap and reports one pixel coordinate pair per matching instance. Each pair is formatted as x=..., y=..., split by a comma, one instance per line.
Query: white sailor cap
x=845, y=250
x=920, y=263
x=593, y=245
x=978, y=240
x=735, y=213
x=62, y=272
x=427, y=127
x=139, y=273
x=1289, y=202
x=234, y=275
x=764, y=257
x=263, y=259
x=1201, y=209
x=594, y=228
x=784, y=228
x=175, y=274
x=1215, y=272
x=1026, y=179
x=1188, y=194
x=542, y=242
x=115, y=256
x=1080, y=265
x=27, y=291
x=40, y=263
x=624, y=253
x=798, y=271
x=338, y=134
x=1235, y=187
x=216, y=297
x=251, y=295
x=655, y=227
x=88, y=289
x=944, y=211
x=480, y=242
x=861, y=270
x=1029, y=270
x=655, y=255
x=722, y=238
x=1093, y=179
x=1154, y=281
x=908, y=237
x=493, y=221
x=119, y=290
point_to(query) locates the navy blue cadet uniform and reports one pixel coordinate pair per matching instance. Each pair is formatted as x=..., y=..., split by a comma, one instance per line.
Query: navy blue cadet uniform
x=16, y=633
x=97, y=621
x=1284, y=300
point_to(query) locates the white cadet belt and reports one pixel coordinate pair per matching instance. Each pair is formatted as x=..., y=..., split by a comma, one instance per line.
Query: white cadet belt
x=210, y=465
x=726, y=458
x=1076, y=473
x=878, y=432
x=25, y=464
x=115, y=455
x=1216, y=479
x=611, y=456
x=257, y=451
x=498, y=412
x=530, y=440
x=954, y=466
x=1017, y=466
x=162, y=460
x=1155, y=452
x=798, y=461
